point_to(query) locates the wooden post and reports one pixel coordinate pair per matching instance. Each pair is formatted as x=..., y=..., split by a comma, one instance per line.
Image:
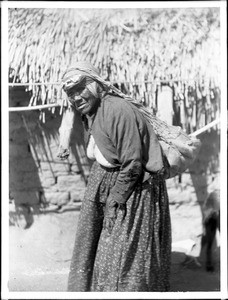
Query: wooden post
x=165, y=105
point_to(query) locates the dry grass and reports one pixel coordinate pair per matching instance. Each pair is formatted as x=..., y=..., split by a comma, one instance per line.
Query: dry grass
x=136, y=49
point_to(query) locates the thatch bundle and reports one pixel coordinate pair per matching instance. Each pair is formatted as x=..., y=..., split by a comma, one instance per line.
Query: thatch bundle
x=138, y=49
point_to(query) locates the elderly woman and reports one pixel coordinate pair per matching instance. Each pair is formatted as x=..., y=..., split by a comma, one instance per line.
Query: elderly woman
x=123, y=239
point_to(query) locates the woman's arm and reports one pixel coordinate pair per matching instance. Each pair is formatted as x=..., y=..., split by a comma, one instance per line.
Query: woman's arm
x=123, y=131
x=65, y=132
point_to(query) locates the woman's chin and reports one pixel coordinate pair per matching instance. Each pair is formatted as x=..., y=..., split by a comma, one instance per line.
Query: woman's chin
x=85, y=110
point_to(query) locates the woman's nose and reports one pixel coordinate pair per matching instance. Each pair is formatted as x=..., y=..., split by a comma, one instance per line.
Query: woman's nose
x=77, y=98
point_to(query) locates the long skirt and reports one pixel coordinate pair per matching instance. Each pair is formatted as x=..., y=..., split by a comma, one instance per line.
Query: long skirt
x=136, y=255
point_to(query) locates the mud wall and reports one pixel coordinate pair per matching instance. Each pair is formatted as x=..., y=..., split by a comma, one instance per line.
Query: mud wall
x=38, y=180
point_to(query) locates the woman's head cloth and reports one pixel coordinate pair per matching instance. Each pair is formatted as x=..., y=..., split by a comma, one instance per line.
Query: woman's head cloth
x=81, y=74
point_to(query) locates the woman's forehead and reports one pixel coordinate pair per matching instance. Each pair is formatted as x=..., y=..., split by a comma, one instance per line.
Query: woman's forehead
x=76, y=82
x=75, y=90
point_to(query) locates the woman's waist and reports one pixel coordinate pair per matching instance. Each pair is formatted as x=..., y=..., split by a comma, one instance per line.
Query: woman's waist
x=109, y=168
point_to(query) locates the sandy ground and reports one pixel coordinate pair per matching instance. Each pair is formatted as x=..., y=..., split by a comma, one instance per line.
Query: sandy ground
x=40, y=256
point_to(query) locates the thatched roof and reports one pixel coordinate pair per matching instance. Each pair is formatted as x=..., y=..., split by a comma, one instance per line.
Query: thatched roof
x=126, y=44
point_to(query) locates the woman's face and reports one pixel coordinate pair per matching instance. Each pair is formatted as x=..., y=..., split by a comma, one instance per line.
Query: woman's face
x=82, y=99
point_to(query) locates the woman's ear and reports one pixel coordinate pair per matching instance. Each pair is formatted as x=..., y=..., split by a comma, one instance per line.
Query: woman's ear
x=100, y=90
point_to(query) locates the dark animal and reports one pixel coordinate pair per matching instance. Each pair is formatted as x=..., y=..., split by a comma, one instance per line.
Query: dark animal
x=211, y=223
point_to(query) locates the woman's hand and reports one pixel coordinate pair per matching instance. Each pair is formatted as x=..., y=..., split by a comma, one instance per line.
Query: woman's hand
x=63, y=153
x=110, y=214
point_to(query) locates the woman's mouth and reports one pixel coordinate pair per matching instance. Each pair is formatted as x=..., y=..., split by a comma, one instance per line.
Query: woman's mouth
x=82, y=106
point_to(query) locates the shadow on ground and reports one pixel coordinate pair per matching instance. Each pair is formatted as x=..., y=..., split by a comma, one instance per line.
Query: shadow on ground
x=40, y=258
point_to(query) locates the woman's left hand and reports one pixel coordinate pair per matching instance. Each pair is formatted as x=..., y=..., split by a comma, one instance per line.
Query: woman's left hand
x=110, y=214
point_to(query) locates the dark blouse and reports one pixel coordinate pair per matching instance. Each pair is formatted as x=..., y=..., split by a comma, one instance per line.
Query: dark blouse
x=126, y=140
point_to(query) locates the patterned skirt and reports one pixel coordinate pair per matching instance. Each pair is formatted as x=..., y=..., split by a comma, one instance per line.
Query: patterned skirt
x=136, y=256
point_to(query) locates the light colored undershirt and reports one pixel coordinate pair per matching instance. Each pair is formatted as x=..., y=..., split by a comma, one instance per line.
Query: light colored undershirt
x=94, y=153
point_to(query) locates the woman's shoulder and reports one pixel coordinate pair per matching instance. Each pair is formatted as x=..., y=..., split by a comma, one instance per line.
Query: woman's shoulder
x=115, y=104
x=112, y=99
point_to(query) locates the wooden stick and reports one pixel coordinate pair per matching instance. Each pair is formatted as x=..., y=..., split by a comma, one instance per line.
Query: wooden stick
x=28, y=108
x=35, y=107
x=119, y=82
x=205, y=128
x=34, y=83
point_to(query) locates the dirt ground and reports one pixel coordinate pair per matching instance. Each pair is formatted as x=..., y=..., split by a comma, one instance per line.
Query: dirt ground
x=40, y=255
